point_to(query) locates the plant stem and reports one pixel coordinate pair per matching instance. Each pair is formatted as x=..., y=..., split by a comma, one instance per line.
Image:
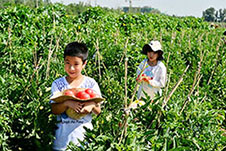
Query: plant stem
x=51, y=52
x=213, y=71
x=168, y=81
x=49, y=57
x=175, y=87
x=126, y=68
x=125, y=99
x=98, y=54
x=30, y=82
x=196, y=76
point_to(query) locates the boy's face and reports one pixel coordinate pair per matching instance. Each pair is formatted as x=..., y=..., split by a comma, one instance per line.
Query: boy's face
x=73, y=66
x=152, y=56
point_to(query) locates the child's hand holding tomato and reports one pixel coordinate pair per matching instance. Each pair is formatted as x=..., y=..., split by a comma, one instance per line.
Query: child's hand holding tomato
x=144, y=78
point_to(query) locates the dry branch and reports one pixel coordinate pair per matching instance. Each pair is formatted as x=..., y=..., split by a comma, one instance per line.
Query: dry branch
x=175, y=87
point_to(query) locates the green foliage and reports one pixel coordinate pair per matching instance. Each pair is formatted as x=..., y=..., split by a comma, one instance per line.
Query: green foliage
x=32, y=42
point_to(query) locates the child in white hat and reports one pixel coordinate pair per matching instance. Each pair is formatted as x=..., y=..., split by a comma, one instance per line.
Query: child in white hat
x=153, y=77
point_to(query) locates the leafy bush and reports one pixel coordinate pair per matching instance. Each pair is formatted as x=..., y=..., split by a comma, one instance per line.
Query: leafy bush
x=32, y=42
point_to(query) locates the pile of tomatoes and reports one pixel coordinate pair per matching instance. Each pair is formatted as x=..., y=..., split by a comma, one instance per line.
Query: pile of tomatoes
x=84, y=94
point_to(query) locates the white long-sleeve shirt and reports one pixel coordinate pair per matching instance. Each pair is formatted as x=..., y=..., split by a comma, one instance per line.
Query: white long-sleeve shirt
x=158, y=73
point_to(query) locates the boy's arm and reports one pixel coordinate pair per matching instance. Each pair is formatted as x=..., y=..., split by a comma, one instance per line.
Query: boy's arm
x=91, y=107
x=58, y=108
x=96, y=109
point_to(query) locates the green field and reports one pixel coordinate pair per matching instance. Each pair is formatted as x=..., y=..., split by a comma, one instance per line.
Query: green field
x=31, y=50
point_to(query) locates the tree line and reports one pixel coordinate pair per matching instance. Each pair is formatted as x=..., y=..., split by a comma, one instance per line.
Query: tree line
x=210, y=14
x=31, y=3
x=213, y=15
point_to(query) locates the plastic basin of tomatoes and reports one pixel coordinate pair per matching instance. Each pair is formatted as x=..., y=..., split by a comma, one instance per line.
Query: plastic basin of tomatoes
x=76, y=94
x=82, y=94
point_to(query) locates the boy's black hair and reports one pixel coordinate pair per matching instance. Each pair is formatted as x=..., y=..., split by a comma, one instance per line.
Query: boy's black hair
x=224, y=33
x=76, y=49
x=147, y=49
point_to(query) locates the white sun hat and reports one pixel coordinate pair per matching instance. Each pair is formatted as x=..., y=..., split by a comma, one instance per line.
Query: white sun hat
x=154, y=45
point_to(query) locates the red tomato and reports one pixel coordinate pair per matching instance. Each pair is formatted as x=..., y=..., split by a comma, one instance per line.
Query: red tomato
x=93, y=95
x=137, y=78
x=82, y=95
x=69, y=93
x=89, y=91
x=145, y=79
x=143, y=74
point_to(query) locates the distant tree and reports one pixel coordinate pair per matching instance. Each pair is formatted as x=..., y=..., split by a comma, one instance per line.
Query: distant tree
x=145, y=9
x=148, y=9
x=3, y=2
x=213, y=15
x=19, y=1
x=209, y=14
x=30, y=3
x=6, y=3
x=76, y=9
x=222, y=15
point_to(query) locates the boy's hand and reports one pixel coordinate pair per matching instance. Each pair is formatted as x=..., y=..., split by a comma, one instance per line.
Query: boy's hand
x=88, y=107
x=77, y=106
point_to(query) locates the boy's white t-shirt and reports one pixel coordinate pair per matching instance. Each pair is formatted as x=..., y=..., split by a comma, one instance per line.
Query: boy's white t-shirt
x=158, y=73
x=68, y=129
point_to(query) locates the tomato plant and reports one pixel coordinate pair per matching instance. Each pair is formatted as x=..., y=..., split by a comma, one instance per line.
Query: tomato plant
x=32, y=42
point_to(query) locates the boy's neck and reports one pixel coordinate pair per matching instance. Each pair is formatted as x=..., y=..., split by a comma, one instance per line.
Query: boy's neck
x=70, y=79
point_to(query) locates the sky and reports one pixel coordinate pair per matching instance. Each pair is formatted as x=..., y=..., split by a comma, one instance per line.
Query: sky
x=170, y=7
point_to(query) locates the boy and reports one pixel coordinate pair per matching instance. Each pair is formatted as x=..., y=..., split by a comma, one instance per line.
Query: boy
x=70, y=130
